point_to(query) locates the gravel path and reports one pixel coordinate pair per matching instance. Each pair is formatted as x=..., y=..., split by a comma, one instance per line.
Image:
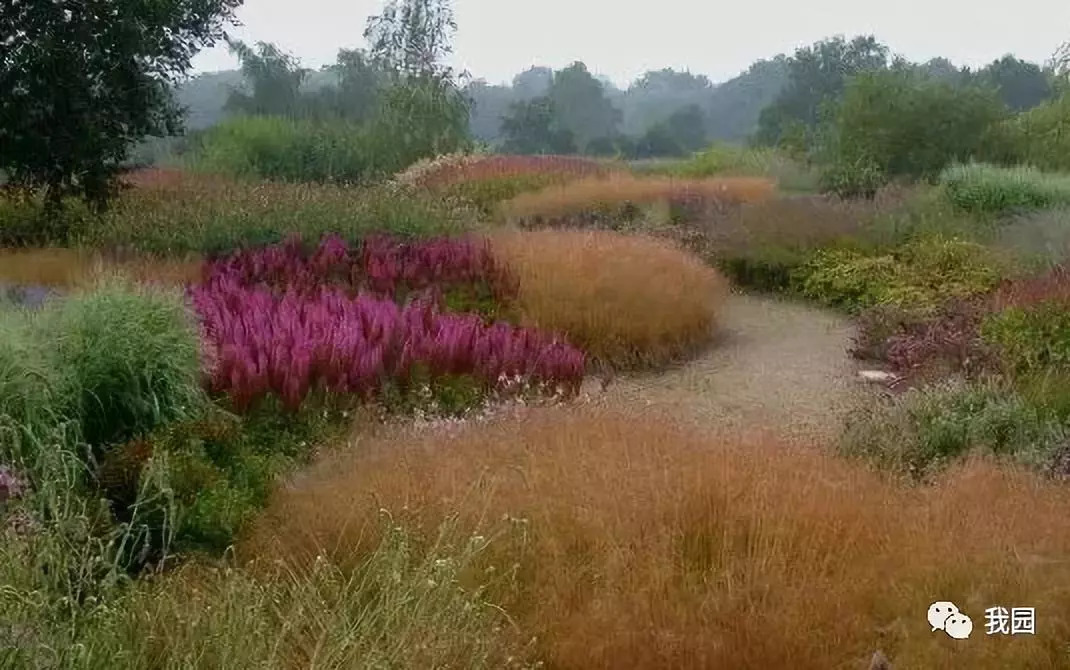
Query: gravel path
x=776, y=365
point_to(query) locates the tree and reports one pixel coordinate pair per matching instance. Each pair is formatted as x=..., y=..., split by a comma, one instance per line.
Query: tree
x=581, y=106
x=818, y=74
x=734, y=107
x=533, y=82
x=654, y=96
x=531, y=127
x=274, y=76
x=900, y=123
x=1021, y=84
x=421, y=106
x=81, y=82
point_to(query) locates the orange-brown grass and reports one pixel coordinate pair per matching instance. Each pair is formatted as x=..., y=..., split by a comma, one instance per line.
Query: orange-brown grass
x=595, y=193
x=625, y=300
x=71, y=268
x=647, y=545
x=455, y=169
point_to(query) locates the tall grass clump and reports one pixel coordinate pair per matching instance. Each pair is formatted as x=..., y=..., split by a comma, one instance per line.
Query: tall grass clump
x=987, y=189
x=625, y=300
x=65, y=268
x=618, y=196
x=405, y=606
x=649, y=545
x=128, y=358
x=29, y=379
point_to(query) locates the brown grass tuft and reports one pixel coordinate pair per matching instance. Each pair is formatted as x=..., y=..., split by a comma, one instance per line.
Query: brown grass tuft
x=647, y=545
x=73, y=268
x=618, y=189
x=625, y=300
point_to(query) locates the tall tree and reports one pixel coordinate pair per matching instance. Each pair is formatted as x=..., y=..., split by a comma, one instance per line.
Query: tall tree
x=1021, y=84
x=581, y=105
x=531, y=127
x=422, y=104
x=817, y=74
x=274, y=76
x=81, y=82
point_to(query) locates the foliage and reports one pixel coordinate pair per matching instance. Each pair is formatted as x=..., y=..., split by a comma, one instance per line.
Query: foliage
x=263, y=147
x=213, y=215
x=986, y=189
x=580, y=106
x=279, y=322
x=583, y=284
x=531, y=127
x=128, y=359
x=920, y=275
x=1022, y=85
x=891, y=124
x=275, y=78
x=1039, y=137
x=926, y=429
x=818, y=74
x=81, y=86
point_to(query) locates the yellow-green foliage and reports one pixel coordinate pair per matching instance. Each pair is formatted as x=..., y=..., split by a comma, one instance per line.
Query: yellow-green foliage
x=987, y=189
x=919, y=275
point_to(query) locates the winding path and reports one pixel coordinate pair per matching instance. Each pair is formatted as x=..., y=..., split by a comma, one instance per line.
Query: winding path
x=776, y=364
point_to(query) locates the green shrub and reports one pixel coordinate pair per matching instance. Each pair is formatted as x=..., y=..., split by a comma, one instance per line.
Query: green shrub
x=919, y=275
x=268, y=147
x=722, y=159
x=1030, y=339
x=1038, y=137
x=853, y=178
x=986, y=189
x=923, y=430
x=128, y=357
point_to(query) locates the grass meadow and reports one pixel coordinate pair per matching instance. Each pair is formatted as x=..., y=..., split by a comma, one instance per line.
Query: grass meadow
x=255, y=424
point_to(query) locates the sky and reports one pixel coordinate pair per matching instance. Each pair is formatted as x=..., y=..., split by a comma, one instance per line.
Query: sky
x=496, y=39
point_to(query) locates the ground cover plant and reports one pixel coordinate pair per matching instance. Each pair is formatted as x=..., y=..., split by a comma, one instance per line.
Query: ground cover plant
x=647, y=544
x=585, y=284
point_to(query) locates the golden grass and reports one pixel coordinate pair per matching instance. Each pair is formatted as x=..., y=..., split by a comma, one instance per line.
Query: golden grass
x=650, y=546
x=74, y=268
x=626, y=300
x=620, y=188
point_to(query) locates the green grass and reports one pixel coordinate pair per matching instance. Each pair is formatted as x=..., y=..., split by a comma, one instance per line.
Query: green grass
x=989, y=190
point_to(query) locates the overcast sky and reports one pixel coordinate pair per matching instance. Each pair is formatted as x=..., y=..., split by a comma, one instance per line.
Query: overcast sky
x=498, y=38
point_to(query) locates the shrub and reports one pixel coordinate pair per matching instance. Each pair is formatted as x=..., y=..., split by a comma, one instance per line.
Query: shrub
x=728, y=160
x=276, y=148
x=920, y=275
x=585, y=284
x=627, y=516
x=128, y=359
x=946, y=341
x=985, y=189
x=924, y=430
x=894, y=123
x=759, y=245
x=616, y=194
